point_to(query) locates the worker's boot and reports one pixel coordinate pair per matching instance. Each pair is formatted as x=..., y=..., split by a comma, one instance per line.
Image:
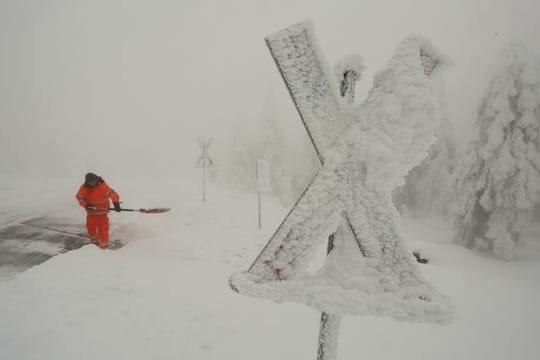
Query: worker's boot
x=94, y=240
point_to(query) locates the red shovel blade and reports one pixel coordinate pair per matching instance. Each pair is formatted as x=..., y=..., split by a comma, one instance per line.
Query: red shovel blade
x=154, y=211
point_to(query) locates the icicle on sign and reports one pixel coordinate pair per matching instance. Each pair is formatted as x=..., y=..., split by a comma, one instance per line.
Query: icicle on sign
x=364, y=156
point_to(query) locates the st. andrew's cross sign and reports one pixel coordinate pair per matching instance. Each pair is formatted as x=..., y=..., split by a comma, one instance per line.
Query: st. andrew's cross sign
x=204, y=161
x=365, y=154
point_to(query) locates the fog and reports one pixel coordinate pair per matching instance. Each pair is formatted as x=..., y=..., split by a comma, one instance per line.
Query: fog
x=125, y=87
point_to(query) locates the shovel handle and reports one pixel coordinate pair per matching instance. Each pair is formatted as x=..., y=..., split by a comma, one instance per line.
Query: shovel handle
x=144, y=211
x=147, y=211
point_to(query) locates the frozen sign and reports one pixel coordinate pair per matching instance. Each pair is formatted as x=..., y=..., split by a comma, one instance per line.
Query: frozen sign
x=204, y=161
x=365, y=155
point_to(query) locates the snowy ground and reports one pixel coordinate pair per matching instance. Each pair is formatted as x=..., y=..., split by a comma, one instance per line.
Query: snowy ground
x=165, y=294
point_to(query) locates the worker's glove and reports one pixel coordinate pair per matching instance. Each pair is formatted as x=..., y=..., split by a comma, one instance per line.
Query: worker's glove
x=117, y=207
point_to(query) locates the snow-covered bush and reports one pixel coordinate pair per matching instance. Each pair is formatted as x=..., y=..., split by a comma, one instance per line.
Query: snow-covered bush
x=498, y=180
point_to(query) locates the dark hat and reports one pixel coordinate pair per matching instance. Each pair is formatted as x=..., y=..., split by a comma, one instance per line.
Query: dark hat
x=90, y=176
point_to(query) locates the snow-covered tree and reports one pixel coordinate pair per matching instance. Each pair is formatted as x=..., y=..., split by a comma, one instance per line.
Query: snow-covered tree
x=273, y=148
x=427, y=186
x=498, y=180
x=239, y=169
x=291, y=156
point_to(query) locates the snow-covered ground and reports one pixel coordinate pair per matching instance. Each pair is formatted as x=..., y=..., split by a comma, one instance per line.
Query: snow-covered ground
x=165, y=294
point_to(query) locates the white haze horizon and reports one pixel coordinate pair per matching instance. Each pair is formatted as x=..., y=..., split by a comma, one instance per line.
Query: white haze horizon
x=126, y=87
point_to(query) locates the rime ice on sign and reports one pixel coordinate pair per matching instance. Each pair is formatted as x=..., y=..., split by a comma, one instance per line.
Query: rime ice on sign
x=428, y=61
x=364, y=158
x=309, y=85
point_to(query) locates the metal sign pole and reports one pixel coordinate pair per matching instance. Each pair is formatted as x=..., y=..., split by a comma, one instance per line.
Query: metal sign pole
x=263, y=183
x=204, y=173
x=260, y=215
x=258, y=191
x=328, y=337
x=329, y=325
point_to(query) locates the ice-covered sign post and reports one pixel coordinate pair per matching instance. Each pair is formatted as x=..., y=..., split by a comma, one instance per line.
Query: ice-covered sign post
x=365, y=153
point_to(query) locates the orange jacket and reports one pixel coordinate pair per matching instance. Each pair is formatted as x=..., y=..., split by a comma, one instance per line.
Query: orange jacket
x=97, y=197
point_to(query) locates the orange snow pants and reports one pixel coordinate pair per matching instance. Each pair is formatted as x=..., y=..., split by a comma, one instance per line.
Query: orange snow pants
x=98, y=228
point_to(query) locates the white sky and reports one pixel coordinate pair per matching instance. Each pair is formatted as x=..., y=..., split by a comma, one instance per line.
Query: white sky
x=127, y=86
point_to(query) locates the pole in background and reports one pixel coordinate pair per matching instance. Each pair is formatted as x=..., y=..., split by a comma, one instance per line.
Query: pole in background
x=258, y=193
x=262, y=173
x=329, y=325
x=204, y=161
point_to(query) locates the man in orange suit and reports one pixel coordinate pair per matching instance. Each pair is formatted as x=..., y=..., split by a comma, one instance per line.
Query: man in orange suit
x=94, y=196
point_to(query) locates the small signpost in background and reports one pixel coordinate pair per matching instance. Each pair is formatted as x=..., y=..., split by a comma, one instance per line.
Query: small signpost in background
x=263, y=183
x=204, y=161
